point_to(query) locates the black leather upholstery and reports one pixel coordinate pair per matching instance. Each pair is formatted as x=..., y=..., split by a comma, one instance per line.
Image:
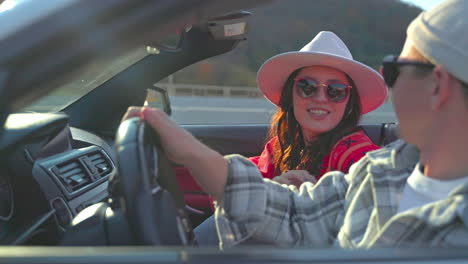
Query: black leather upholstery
x=381, y=134
x=98, y=225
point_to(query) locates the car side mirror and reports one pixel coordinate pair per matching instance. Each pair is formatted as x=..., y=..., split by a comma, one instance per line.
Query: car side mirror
x=157, y=97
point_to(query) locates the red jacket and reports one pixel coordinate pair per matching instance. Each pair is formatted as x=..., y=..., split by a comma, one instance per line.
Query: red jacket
x=346, y=151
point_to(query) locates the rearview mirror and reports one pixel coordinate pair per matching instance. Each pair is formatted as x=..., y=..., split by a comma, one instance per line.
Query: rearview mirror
x=232, y=26
x=157, y=97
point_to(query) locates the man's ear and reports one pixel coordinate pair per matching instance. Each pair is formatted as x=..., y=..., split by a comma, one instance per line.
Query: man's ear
x=442, y=87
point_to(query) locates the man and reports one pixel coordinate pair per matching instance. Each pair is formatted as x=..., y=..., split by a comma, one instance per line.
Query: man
x=395, y=196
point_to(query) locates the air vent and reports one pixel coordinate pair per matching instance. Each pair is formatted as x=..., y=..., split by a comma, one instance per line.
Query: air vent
x=72, y=174
x=98, y=164
x=83, y=171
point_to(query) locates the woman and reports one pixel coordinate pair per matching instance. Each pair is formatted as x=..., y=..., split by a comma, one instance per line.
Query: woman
x=321, y=93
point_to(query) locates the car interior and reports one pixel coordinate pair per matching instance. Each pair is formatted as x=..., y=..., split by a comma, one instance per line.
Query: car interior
x=69, y=178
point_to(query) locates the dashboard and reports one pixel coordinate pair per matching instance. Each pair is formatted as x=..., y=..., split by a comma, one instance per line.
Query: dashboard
x=49, y=172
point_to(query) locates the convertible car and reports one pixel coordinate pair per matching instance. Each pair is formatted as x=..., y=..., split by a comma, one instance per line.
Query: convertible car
x=71, y=174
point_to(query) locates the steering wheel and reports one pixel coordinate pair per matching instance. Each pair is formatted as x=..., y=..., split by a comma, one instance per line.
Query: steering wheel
x=148, y=191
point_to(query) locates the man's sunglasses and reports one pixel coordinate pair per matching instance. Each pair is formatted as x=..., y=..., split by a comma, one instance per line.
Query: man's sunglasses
x=308, y=87
x=390, y=68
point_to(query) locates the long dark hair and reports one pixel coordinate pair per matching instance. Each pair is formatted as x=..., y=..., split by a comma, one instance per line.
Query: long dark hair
x=290, y=151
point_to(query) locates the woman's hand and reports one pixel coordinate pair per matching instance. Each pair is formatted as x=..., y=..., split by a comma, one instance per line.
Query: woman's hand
x=207, y=166
x=295, y=177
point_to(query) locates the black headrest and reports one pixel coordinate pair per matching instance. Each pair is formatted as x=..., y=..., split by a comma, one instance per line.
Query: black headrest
x=381, y=134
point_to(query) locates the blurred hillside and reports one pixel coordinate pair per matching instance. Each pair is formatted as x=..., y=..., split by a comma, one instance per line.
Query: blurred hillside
x=370, y=28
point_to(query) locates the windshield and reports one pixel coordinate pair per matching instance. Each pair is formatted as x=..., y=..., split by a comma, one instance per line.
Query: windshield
x=94, y=75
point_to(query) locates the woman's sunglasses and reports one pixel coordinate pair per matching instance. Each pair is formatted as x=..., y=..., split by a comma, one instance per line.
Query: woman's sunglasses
x=308, y=87
x=390, y=68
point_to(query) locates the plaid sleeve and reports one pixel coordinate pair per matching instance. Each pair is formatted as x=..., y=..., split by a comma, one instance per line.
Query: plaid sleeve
x=253, y=207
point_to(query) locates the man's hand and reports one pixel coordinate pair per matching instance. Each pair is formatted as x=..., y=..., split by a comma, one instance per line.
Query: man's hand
x=179, y=145
x=207, y=166
x=295, y=177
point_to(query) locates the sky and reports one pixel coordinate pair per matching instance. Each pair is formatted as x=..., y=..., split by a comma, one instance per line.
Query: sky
x=424, y=4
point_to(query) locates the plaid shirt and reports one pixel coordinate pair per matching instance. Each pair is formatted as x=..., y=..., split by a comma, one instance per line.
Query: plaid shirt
x=357, y=210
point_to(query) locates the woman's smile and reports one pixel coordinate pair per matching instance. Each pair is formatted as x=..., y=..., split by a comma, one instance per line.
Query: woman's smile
x=318, y=113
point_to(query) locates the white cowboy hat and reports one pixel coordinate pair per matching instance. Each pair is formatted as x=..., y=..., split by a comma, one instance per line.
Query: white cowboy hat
x=326, y=49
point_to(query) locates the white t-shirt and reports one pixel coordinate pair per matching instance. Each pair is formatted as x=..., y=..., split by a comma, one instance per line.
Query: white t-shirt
x=420, y=189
